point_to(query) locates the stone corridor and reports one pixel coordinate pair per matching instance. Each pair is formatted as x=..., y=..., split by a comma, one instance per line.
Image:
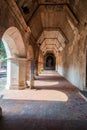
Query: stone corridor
x=54, y=104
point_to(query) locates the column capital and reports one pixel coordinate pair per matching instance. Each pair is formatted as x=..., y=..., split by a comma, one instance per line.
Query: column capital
x=17, y=59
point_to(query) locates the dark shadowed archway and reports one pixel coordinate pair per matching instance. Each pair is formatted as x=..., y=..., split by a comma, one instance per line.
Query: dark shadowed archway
x=49, y=62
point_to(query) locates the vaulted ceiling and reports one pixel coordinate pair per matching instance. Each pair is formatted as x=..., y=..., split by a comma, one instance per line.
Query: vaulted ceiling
x=49, y=21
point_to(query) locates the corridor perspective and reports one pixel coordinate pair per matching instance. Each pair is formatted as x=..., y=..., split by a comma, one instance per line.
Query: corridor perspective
x=43, y=64
x=54, y=104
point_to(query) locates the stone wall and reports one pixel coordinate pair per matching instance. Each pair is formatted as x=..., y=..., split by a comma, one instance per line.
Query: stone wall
x=8, y=19
x=72, y=60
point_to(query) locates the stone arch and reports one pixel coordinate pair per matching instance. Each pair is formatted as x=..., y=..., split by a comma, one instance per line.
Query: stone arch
x=16, y=58
x=49, y=62
x=13, y=43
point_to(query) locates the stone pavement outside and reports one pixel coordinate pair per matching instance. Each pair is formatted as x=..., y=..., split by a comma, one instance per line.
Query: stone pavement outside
x=2, y=83
x=3, y=78
x=54, y=104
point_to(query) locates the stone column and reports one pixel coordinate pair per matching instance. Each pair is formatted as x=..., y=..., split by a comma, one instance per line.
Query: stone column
x=28, y=69
x=36, y=68
x=16, y=73
x=39, y=67
x=56, y=64
x=32, y=75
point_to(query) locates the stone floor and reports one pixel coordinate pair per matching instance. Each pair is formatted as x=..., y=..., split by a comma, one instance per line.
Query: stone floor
x=54, y=104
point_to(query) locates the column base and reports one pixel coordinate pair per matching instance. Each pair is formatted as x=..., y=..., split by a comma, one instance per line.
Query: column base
x=32, y=82
x=22, y=87
x=15, y=87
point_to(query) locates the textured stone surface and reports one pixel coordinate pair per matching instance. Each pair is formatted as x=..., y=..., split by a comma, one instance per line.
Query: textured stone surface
x=54, y=104
x=72, y=60
x=71, y=17
x=67, y=15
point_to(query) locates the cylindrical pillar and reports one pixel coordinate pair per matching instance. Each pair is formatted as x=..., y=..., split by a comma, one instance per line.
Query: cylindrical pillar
x=32, y=75
x=36, y=68
x=56, y=64
x=16, y=73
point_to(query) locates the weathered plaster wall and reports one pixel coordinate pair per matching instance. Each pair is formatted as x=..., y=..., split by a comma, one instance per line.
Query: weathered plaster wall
x=72, y=60
x=8, y=19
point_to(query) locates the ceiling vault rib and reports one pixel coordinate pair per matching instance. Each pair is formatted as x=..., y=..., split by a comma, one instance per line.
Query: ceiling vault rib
x=56, y=29
x=47, y=38
x=39, y=35
x=73, y=14
x=35, y=11
x=51, y=19
x=39, y=5
x=17, y=14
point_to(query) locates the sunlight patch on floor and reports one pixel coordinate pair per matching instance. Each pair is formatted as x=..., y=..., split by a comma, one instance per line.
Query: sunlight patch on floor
x=45, y=83
x=43, y=95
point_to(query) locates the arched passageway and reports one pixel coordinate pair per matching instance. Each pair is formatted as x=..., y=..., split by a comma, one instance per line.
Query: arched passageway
x=56, y=26
x=55, y=101
x=49, y=62
x=16, y=58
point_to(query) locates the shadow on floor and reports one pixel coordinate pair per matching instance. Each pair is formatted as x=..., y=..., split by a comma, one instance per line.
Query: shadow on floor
x=43, y=115
x=40, y=114
x=38, y=124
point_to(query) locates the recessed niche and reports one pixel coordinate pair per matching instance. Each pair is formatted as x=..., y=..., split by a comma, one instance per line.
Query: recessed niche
x=25, y=10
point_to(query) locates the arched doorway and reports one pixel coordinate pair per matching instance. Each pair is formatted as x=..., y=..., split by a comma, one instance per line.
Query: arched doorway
x=16, y=58
x=50, y=62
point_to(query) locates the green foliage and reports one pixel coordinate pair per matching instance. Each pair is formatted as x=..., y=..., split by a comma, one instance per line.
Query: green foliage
x=41, y=69
x=3, y=52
